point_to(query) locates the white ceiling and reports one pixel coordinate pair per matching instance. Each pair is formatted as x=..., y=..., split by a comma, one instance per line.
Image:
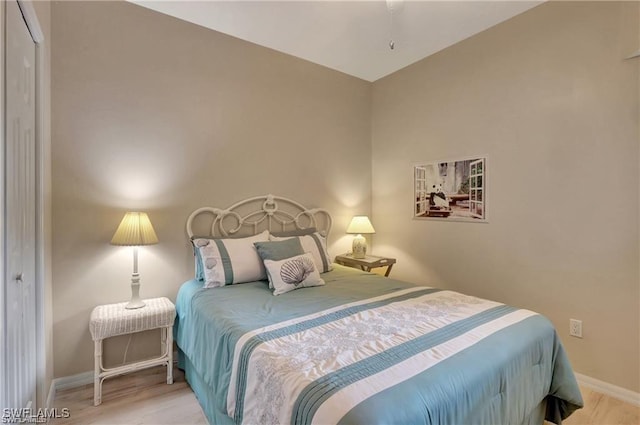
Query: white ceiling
x=348, y=36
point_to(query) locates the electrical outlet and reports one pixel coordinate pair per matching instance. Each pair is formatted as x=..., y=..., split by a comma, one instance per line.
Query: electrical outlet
x=575, y=328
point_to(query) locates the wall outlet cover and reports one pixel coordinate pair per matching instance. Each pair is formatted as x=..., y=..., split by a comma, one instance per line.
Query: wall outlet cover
x=575, y=328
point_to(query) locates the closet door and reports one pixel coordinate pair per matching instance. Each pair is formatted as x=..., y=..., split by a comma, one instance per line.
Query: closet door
x=20, y=197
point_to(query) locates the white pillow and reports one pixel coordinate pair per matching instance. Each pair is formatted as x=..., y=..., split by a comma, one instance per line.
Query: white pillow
x=292, y=273
x=230, y=261
x=316, y=244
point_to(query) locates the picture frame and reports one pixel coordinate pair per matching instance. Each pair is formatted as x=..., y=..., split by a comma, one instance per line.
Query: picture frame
x=451, y=190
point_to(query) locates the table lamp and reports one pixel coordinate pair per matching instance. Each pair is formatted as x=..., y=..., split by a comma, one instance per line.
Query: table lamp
x=360, y=224
x=135, y=230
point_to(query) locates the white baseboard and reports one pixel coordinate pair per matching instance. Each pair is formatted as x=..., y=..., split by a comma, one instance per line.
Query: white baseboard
x=611, y=390
x=78, y=380
x=72, y=381
x=51, y=396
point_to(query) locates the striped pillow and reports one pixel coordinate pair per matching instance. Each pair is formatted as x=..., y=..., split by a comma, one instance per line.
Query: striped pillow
x=230, y=261
x=316, y=244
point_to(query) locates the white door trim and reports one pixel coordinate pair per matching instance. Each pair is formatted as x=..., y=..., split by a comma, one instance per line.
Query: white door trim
x=3, y=396
x=41, y=309
x=33, y=24
x=30, y=17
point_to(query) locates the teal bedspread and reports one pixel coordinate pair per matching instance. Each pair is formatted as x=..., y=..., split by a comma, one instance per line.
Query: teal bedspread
x=364, y=349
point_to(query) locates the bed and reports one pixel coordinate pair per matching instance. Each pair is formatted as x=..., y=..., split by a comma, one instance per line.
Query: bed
x=359, y=348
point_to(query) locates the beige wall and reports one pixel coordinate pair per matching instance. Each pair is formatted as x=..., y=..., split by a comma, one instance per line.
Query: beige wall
x=156, y=114
x=548, y=97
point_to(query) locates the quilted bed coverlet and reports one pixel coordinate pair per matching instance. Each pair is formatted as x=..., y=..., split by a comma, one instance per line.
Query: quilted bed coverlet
x=369, y=350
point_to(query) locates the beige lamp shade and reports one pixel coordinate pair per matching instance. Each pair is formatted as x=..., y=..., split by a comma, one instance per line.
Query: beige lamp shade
x=360, y=224
x=135, y=229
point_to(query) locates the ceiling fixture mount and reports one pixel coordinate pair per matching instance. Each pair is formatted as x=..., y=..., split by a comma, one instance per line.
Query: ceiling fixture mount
x=392, y=6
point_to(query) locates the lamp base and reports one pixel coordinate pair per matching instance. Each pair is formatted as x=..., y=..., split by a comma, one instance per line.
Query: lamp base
x=359, y=247
x=131, y=305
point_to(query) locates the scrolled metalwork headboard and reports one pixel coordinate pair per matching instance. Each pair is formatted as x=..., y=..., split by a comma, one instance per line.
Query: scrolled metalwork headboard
x=254, y=215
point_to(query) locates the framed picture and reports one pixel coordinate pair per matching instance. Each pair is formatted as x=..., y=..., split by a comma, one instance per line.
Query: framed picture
x=451, y=190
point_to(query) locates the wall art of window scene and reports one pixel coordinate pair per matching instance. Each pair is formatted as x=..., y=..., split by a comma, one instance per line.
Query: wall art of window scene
x=451, y=190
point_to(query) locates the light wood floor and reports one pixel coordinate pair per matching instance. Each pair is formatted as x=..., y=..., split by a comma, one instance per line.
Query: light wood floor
x=600, y=409
x=143, y=398
x=137, y=398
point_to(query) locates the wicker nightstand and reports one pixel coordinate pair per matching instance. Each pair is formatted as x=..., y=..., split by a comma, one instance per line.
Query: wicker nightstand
x=114, y=319
x=367, y=263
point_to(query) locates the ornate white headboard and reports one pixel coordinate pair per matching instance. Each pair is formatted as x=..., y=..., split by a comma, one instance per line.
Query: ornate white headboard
x=254, y=215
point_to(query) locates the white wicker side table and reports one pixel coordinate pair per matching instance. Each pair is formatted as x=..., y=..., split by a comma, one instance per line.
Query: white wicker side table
x=113, y=320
